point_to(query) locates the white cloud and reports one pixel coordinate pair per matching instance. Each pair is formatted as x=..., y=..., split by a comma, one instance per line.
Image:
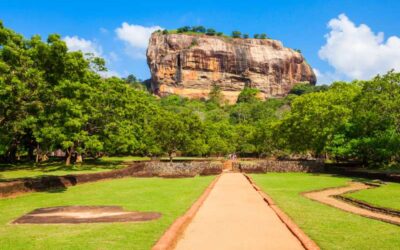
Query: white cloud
x=136, y=38
x=356, y=52
x=74, y=43
x=327, y=77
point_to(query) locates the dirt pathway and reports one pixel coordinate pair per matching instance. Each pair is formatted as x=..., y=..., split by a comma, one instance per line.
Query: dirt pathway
x=234, y=216
x=228, y=165
x=326, y=197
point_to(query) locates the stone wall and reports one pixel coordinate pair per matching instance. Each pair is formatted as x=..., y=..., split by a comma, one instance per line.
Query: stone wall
x=180, y=169
x=143, y=169
x=277, y=166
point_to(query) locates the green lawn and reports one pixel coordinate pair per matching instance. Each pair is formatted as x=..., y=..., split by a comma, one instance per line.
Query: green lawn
x=23, y=170
x=124, y=158
x=329, y=227
x=387, y=196
x=171, y=197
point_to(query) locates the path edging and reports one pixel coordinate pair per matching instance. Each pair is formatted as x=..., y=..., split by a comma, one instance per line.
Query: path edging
x=170, y=237
x=356, y=203
x=306, y=241
x=368, y=206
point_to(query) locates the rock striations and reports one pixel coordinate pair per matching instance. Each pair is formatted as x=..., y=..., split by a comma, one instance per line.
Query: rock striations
x=190, y=65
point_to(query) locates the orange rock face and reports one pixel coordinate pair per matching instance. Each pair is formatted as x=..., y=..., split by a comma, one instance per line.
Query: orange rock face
x=190, y=65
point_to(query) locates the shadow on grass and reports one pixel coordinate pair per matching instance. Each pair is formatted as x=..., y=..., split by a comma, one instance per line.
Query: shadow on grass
x=48, y=168
x=343, y=176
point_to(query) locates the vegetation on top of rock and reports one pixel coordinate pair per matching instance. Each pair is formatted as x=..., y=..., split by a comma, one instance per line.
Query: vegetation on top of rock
x=194, y=59
x=193, y=30
x=236, y=34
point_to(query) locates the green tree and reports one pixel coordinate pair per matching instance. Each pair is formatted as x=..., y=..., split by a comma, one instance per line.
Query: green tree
x=199, y=29
x=169, y=133
x=315, y=118
x=215, y=96
x=183, y=29
x=263, y=36
x=19, y=96
x=248, y=95
x=236, y=34
x=372, y=135
x=220, y=137
x=211, y=32
x=305, y=88
x=135, y=82
x=246, y=144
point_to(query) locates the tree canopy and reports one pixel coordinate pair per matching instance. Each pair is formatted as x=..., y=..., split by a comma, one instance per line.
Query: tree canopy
x=54, y=99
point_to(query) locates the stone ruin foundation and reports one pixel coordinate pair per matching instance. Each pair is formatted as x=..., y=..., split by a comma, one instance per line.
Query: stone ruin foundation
x=84, y=214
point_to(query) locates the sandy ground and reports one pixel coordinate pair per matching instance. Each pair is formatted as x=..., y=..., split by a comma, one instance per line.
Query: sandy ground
x=325, y=196
x=234, y=216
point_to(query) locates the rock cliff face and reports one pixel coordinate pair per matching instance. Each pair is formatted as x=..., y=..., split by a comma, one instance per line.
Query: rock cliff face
x=190, y=65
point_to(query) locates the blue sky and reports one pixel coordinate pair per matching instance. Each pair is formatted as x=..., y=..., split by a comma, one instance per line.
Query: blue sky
x=353, y=48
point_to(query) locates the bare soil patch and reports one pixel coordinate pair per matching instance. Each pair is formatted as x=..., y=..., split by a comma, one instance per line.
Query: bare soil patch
x=330, y=197
x=84, y=214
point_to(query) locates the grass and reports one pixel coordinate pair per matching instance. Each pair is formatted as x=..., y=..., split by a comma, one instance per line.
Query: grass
x=24, y=170
x=329, y=227
x=387, y=196
x=124, y=158
x=53, y=168
x=171, y=197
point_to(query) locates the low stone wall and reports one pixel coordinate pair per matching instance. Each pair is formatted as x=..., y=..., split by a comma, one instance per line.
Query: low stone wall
x=213, y=168
x=14, y=187
x=179, y=169
x=278, y=166
x=143, y=169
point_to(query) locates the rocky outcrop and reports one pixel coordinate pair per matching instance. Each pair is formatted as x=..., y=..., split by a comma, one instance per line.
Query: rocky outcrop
x=190, y=65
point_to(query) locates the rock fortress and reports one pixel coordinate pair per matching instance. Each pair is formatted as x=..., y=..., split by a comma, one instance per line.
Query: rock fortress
x=190, y=65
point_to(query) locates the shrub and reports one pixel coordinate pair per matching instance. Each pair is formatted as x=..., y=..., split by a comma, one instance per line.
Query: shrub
x=263, y=36
x=248, y=95
x=199, y=29
x=256, y=36
x=211, y=32
x=236, y=34
x=245, y=36
x=183, y=29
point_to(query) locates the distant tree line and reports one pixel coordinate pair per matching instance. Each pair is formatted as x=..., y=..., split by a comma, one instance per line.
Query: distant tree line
x=211, y=32
x=53, y=99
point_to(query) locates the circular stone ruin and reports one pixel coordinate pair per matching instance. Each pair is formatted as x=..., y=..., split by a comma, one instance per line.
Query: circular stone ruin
x=84, y=214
